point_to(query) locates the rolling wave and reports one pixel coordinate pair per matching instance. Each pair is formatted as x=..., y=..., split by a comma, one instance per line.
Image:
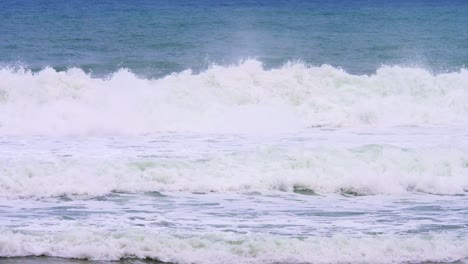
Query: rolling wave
x=365, y=170
x=233, y=248
x=243, y=98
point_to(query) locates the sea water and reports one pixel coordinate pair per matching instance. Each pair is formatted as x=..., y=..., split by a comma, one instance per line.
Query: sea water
x=233, y=132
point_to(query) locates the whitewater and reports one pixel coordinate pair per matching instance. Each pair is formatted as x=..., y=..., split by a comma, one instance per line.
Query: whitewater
x=242, y=98
x=234, y=164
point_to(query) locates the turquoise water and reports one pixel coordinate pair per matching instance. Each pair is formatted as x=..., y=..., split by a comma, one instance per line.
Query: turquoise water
x=155, y=38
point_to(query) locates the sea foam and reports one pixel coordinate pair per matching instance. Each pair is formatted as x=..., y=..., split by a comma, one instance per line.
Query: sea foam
x=243, y=98
x=232, y=248
x=364, y=170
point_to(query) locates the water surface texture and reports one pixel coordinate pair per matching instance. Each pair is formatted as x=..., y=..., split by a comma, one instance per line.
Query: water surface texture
x=233, y=132
x=155, y=38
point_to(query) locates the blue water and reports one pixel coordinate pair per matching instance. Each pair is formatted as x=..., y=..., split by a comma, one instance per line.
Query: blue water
x=155, y=38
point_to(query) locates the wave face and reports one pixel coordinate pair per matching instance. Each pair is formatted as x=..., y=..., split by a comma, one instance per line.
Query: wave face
x=232, y=248
x=239, y=99
x=362, y=170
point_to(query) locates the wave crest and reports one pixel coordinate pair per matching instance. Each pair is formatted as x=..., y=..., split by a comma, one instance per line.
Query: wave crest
x=241, y=98
x=365, y=170
x=232, y=248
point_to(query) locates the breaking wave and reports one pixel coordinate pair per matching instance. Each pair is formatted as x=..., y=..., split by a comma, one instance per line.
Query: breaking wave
x=366, y=170
x=240, y=99
x=233, y=248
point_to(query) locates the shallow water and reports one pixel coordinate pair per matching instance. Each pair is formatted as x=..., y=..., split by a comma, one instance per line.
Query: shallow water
x=322, y=195
x=276, y=213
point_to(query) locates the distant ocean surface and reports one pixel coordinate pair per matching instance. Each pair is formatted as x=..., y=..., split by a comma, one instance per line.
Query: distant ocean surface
x=233, y=131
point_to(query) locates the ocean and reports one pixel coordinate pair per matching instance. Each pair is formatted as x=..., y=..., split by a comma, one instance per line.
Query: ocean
x=233, y=131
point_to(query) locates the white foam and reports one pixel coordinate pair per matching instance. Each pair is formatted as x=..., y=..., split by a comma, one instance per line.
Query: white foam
x=241, y=99
x=370, y=169
x=232, y=248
